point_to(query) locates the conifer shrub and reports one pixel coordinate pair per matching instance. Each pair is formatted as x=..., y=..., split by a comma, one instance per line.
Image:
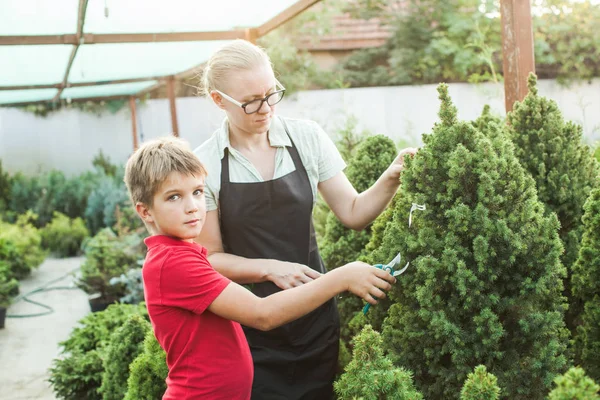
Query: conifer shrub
x=485, y=280
x=586, y=289
x=486, y=121
x=480, y=385
x=125, y=344
x=63, y=236
x=77, y=373
x=574, y=385
x=563, y=167
x=148, y=372
x=372, y=376
x=342, y=245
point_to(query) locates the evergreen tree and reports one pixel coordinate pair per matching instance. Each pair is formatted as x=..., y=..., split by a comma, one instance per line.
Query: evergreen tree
x=574, y=385
x=148, y=372
x=125, y=344
x=342, y=245
x=485, y=280
x=480, y=385
x=563, y=167
x=586, y=288
x=486, y=122
x=372, y=376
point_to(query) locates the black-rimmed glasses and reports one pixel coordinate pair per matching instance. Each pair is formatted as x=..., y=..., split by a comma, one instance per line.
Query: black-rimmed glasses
x=253, y=106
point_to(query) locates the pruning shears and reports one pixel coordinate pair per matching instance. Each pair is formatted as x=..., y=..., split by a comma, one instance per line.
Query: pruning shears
x=389, y=267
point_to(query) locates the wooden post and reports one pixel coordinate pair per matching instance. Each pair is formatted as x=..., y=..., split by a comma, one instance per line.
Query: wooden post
x=517, y=49
x=251, y=35
x=171, y=94
x=133, y=122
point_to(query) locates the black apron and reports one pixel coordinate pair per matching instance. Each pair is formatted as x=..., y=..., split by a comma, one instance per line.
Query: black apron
x=273, y=220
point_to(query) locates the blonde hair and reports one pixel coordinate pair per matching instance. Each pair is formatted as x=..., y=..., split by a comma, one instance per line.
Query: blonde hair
x=234, y=56
x=150, y=165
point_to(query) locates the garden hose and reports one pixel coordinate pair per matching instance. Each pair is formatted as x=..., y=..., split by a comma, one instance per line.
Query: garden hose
x=39, y=289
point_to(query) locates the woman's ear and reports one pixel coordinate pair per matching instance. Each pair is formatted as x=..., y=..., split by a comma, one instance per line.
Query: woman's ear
x=144, y=212
x=217, y=99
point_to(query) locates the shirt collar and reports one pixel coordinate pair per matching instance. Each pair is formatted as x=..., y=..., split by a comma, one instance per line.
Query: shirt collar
x=157, y=240
x=277, y=135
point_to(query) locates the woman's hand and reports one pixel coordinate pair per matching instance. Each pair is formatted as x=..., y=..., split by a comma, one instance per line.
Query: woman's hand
x=287, y=275
x=397, y=166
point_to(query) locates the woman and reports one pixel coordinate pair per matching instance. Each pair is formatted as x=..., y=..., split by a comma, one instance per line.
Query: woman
x=263, y=175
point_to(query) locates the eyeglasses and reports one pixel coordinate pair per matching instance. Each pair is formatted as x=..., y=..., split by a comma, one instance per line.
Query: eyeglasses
x=253, y=106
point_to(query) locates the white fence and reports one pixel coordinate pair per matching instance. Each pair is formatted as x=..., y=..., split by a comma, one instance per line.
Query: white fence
x=69, y=139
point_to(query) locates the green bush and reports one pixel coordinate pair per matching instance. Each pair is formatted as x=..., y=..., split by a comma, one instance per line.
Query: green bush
x=563, y=167
x=5, y=188
x=148, y=372
x=574, y=385
x=485, y=280
x=372, y=376
x=125, y=344
x=342, y=245
x=8, y=287
x=63, y=236
x=586, y=288
x=480, y=385
x=20, y=246
x=109, y=193
x=107, y=256
x=78, y=373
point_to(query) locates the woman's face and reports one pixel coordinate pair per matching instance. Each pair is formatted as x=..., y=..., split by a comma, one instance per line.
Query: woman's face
x=245, y=86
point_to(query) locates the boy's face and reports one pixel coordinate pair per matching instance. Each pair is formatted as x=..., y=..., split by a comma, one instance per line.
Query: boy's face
x=179, y=207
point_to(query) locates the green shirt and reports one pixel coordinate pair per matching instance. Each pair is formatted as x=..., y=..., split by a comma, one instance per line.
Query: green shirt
x=317, y=151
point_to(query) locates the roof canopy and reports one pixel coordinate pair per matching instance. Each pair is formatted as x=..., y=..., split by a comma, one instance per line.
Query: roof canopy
x=83, y=49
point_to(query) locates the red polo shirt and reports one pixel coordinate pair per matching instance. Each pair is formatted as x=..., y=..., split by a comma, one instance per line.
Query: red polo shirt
x=208, y=356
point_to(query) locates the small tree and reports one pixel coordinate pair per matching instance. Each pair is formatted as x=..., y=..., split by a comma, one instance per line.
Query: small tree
x=342, y=245
x=148, y=372
x=586, y=288
x=485, y=280
x=574, y=385
x=563, y=167
x=125, y=344
x=480, y=385
x=372, y=376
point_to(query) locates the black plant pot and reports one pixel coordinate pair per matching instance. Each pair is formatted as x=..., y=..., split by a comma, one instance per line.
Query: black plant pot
x=2, y=317
x=98, y=303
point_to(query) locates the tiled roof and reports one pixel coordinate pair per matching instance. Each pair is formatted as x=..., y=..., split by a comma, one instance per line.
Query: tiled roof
x=347, y=34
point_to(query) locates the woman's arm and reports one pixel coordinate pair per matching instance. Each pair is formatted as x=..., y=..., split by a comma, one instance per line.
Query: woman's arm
x=245, y=270
x=354, y=210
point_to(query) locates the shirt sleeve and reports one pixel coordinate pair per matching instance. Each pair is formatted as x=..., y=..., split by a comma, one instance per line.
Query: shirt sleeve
x=330, y=161
x=188, y=281
x=211, y=199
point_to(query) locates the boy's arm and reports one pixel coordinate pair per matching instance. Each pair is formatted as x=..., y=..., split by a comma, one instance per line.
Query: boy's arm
x=238, y=304
x=245, y=270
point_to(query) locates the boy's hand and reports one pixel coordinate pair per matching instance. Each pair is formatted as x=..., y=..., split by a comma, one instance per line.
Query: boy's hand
x=287, y=275
x=366, y=281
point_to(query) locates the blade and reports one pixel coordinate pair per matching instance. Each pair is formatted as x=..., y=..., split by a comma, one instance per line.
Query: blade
x=395, y=261
x=400, y=272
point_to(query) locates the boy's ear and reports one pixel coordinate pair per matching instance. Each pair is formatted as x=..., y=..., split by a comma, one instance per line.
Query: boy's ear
x=217, y=99
x=144, y=212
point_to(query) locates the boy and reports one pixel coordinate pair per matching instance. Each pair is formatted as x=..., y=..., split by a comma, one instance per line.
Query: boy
x=196, y=312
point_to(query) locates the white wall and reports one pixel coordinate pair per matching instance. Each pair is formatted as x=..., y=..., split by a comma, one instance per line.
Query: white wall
x=68, y=140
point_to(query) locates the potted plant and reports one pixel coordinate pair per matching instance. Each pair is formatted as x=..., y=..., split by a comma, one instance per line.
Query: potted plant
x=7, y=288
x=107, y=256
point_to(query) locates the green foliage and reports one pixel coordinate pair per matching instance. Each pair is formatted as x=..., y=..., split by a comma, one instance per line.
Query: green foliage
x=371, y=376
x=485, y=280
x=148, y=372
x=8, y=287
x=487, y=122
x=5, y=188
x=63, y=236
x=574, y=385
x=480, y=385
x=125, y=344
x=586, y=288
x=563, y=167
x=78, y=373
x=342, y=245
x=108, y=256
x=102, y=163
x=109, y=195
x=20, y=246
x=134, y=286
